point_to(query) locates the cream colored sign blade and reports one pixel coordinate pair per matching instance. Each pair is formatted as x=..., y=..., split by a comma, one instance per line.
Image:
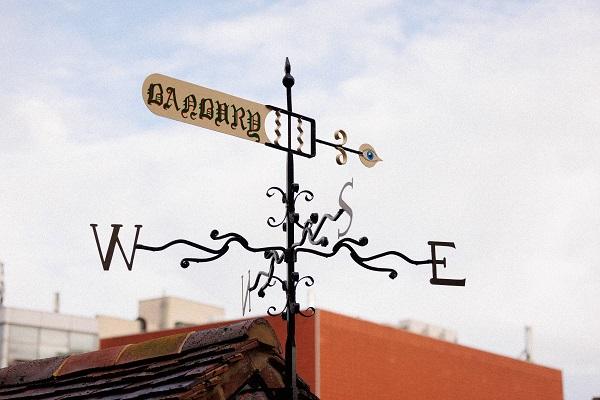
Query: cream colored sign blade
x=206, y=108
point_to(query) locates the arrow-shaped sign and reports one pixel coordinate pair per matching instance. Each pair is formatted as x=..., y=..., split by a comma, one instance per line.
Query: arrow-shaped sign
x=207, y=108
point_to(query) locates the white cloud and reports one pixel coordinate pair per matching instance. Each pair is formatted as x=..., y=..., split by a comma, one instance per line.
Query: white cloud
x=486, y=119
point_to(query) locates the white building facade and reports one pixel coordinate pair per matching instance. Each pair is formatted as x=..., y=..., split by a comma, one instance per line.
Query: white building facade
x=30, y=335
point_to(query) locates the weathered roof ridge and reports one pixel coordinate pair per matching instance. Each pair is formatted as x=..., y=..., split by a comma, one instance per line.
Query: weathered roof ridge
x=31, y=371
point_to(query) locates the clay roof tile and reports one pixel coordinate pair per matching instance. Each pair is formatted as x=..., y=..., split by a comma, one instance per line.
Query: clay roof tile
x=172, y=367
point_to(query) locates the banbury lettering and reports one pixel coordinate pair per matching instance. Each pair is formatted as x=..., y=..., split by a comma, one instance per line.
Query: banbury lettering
x=207, y=108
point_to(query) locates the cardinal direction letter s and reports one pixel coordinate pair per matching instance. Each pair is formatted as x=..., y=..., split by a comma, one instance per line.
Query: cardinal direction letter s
x=114, y=241
x=344, y=206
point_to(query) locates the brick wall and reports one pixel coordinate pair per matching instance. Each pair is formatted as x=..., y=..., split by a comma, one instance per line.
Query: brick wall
x=363, y=360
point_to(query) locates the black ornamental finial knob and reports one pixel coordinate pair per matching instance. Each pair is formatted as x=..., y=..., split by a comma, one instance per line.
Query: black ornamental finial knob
x=288, y=79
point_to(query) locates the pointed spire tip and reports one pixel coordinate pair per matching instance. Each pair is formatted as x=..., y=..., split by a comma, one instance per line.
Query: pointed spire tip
x=288, y=79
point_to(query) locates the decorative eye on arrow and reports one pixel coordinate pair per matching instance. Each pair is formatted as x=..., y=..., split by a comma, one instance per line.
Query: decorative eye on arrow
x=366, y=152
x=368, y=156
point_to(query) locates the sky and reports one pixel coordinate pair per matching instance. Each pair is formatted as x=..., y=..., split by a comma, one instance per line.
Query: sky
x=486, y=116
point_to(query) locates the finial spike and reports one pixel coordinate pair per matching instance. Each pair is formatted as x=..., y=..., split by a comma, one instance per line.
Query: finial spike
x=288, y=67
x=288, y=79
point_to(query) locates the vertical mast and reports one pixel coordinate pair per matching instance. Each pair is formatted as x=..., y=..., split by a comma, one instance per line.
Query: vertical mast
x=290, y=343
x=1, y=284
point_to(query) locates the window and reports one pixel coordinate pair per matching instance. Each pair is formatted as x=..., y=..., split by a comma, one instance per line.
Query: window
x=22, y=351
x=82, y=342
x=46, y=351
x=22, y=334
x=54, y=337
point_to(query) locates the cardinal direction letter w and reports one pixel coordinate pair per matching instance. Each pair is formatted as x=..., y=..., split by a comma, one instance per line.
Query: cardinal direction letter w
x=114, y=241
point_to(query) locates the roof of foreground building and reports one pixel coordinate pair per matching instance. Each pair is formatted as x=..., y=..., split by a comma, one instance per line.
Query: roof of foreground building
x=239, y=361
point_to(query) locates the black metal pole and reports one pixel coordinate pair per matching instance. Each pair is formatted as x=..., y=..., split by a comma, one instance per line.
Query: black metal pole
x=290, y=343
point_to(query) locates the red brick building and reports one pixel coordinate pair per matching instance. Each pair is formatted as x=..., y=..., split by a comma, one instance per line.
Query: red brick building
x=347, y=358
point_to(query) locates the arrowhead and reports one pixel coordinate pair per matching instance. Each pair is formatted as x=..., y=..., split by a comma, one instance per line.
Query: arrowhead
x=288, y=67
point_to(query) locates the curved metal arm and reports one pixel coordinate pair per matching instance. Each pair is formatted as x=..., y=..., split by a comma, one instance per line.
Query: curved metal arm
x=392, y=273
x=362, y=261
x=270, y=252
x=234, y=237
x=397, y=254
x=336, y=247
x=174, y=242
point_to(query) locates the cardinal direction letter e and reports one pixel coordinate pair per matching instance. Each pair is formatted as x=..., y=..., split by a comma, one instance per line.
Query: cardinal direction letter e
x=435, y=263
x=114, y=241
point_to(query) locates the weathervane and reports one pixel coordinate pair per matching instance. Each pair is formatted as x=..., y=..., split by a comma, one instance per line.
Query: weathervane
x=210, y=109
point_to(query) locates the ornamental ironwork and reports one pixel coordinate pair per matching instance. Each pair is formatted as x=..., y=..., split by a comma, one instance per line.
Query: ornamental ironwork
x=210, y=109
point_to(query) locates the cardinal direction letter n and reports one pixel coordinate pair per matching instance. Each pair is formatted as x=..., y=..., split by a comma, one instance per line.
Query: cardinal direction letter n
x=246, y=299
x=114, y=241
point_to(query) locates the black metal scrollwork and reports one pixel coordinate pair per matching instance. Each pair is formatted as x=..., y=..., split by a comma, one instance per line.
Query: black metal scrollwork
x=309, y=280
x=271, y=251
x=310, y=311
x=272, y=189
x=345, y=243
x=310, y=230
x=271, y=221
x=278, y=254
x=271, y=277
x=272, y=311
x=308, y=195
x=307, y=232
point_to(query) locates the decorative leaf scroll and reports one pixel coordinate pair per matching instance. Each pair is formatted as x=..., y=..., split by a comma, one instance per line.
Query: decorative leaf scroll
x=309, y=280
x=341, y=158
x=366, y=153
x=308, y=195
x=310, y=311
x=272, y=311
x=271, y=221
